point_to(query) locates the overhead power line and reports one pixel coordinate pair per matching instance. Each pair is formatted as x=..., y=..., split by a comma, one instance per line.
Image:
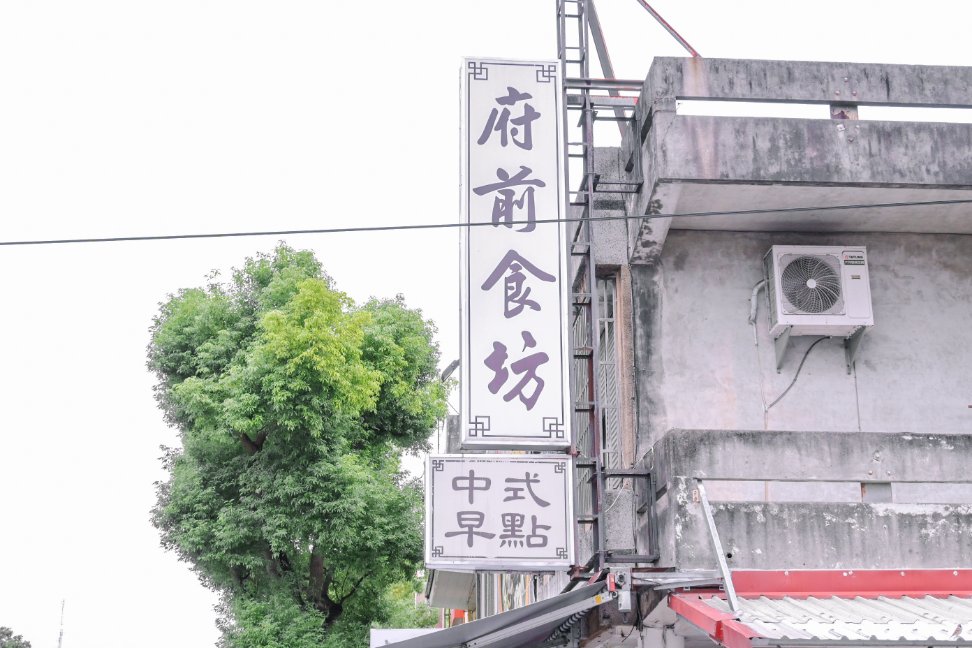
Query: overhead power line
x=431, y=226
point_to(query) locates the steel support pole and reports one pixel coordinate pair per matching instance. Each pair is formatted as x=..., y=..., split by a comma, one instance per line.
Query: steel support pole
x=671, y=30
x=600, y=46
x=587, y=136
x=717, y=545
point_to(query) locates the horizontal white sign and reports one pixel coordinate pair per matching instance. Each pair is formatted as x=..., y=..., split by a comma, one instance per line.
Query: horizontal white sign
x=499, y=512
x=514, y=267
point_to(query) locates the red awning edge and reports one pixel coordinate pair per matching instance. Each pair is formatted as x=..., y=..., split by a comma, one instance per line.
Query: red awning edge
x=854, y=582
x=722, y=627
x=869, y=583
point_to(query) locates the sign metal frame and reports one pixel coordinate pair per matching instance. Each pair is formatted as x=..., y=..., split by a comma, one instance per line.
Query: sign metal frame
x=484, y=422
x=561, y=556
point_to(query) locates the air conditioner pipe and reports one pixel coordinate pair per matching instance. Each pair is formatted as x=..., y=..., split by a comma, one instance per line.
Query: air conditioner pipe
x=753, y=305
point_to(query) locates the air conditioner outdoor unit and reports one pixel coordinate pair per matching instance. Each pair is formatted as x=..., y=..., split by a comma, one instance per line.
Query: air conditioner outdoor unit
x=818, y=290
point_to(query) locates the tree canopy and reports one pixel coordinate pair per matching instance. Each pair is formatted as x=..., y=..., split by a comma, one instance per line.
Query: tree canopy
x=294, y=405
x=9, y=640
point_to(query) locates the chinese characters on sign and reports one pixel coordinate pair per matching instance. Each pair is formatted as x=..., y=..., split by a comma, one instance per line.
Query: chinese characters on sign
x=499, y=512
x=492, y=511
x=514, y=382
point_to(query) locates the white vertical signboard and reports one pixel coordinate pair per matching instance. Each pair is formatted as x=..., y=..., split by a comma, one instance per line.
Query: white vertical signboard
x=514, y=284
x=499, y=512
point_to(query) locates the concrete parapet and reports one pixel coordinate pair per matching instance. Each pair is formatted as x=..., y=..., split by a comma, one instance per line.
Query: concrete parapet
x=672, y=78
x=714, y=165
x=814, y=456
x=807, y=500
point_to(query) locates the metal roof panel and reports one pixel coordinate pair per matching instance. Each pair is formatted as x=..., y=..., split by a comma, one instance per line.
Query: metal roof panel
x=835, y=618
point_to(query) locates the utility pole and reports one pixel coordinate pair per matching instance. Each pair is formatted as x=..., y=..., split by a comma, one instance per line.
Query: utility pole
x=60, y=635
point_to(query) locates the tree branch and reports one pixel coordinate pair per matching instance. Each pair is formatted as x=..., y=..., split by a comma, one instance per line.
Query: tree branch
x=261, y=438
x=254, y=446
x=273, y=568
x=354, y=588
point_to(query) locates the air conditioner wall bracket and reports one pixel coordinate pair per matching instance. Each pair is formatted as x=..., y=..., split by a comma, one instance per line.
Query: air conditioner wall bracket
x=780, y=344
x=852, y=345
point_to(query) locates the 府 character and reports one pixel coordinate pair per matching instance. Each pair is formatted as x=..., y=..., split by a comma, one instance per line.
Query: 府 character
x=499, y=121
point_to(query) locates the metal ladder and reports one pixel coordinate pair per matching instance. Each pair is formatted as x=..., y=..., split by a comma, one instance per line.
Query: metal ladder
x=572, y=20
x=577, y=25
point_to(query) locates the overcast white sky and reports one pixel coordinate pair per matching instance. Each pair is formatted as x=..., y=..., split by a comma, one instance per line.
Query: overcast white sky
x=129, y=117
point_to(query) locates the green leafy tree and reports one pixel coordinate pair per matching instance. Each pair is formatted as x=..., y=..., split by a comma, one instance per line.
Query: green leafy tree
x=294, y=406
x=9, y=640
x=402, y=611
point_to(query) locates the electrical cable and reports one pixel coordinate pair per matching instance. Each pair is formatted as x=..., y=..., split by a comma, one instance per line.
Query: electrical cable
x=616, y=498
x=797, y=374
x=638, y=625
x=430, y=226
x=753, y=305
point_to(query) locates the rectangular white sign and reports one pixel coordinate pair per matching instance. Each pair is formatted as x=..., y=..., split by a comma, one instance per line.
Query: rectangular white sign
x=499, y=512
x=515, y=351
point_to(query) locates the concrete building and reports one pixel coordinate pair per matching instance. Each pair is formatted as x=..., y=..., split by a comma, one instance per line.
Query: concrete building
x=842, y=481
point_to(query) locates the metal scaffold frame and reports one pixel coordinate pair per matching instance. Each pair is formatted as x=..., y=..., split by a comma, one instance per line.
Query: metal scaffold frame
x=578, y=26
x=590, y=469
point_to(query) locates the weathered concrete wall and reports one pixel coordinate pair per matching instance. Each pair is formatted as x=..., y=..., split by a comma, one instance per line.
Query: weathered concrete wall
x=813, y=456
x=812, y=533
x=673, y=155
x=827, y=536
x=609, y=235
x=699, y=367
x=752, y=148
x=805, y=81
x=899, y=423
x=813, y=151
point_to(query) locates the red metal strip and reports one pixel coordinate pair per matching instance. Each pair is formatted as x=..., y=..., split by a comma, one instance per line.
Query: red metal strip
x=726, y=630
x=858, y=582
x=721, y=626
x=698, y=612
x=736, y=634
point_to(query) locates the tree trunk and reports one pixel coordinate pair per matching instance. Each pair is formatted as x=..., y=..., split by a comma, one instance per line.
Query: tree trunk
x=251, y=447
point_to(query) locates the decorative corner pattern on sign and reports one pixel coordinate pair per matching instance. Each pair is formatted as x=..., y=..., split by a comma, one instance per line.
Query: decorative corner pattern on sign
x=438, y=465
x=560, y=467
x=480, y=424
x=553, y=426
x=478, y=71
x=437, y=552
x=546, y=72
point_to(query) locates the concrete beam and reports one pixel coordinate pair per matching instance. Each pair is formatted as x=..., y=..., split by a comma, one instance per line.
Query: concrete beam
x=826, y=536
x=813, y=535
x=673, y=78
x=673, y=156
x=750, y=150
x=814, y=456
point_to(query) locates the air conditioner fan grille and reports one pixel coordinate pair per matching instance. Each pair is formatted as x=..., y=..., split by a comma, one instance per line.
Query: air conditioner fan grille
x=810, y=284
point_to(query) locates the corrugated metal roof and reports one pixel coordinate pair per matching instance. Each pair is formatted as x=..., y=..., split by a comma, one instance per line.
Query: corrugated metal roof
x=883, y=618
